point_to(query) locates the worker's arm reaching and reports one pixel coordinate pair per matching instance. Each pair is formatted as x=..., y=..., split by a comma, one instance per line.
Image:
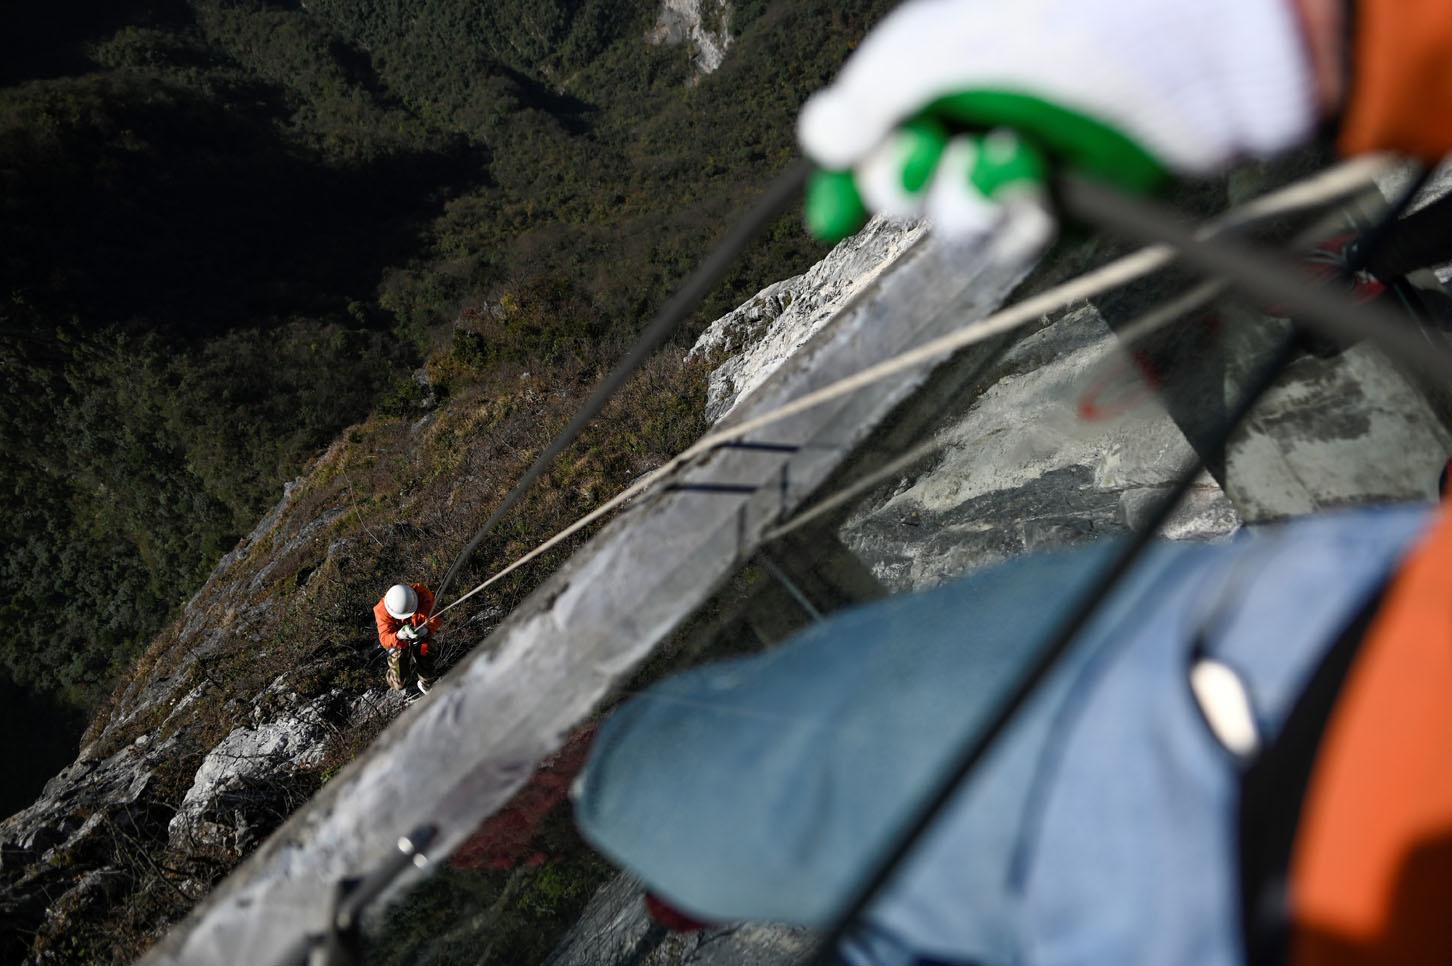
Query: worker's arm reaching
x=388, y=627
x=426, y=606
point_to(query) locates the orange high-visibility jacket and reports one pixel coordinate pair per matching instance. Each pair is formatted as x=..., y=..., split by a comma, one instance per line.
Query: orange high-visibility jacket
x=388, y=625
x=1401, y=78
x=1371, y=872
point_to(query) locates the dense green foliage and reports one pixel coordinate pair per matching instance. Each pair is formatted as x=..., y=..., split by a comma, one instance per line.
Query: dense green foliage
x=230, y=228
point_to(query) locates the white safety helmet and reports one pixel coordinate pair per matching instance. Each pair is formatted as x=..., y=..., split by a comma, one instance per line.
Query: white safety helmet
x=400, y=601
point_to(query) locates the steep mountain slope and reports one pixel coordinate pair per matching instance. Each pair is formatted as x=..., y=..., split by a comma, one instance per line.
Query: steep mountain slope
x=231, y=229
x=271, y=679
x=500, y=295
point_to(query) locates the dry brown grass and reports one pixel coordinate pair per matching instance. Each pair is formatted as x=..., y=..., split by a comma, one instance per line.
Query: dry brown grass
x=394, y=498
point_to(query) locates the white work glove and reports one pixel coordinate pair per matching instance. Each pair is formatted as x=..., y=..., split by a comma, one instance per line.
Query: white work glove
x=407, y=632
x=1126, y=90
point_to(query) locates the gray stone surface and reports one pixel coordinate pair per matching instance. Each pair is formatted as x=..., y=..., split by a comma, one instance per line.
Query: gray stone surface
x=1021, y=470
x=250, y=767
x=72, y=802
x=765, y=330
x=1337, y=432
x=49, y=852
x=614, y=926
x=704, y=26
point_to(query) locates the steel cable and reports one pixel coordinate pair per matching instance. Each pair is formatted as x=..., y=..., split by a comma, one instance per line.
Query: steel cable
x=1139, y=220
x=1335, y=183
x=774, y=202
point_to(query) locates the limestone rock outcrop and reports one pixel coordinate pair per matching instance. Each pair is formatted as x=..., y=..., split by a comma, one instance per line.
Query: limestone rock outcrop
x=702, y=25
x=614, y=927
x=1022, y=469
x=249, y=770
x=759, y=335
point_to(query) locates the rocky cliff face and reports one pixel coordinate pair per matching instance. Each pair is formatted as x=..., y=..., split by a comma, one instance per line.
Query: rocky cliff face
x=1022, y=469
x=192, y=762
x=757, y=337
x=1064, y=438
x=271, y=679
x=1023, y=463
x=703, y=26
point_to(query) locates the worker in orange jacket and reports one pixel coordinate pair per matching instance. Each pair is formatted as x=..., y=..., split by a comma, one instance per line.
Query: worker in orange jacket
x=405, y=630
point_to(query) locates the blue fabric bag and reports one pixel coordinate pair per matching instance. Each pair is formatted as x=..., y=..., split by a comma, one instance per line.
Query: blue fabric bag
x=1101, y=827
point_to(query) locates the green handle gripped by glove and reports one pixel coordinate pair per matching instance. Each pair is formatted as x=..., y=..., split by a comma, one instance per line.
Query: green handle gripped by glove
x=951, y=108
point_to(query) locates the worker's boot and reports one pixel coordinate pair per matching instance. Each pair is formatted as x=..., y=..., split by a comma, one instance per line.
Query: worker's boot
x=423, y=666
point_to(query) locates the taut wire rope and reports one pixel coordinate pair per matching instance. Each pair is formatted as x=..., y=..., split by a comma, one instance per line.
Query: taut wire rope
x=1124, y=336
x=777, y=198
x=1136, y=220
x=1334, y=183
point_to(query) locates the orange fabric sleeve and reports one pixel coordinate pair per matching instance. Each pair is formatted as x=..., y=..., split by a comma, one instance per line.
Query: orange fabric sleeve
x=1371, y=872
x=426, y=606
x=388, y=626
x=1401, y=79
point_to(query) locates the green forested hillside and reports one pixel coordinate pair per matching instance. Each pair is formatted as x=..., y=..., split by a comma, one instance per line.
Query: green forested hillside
x=230, y=228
